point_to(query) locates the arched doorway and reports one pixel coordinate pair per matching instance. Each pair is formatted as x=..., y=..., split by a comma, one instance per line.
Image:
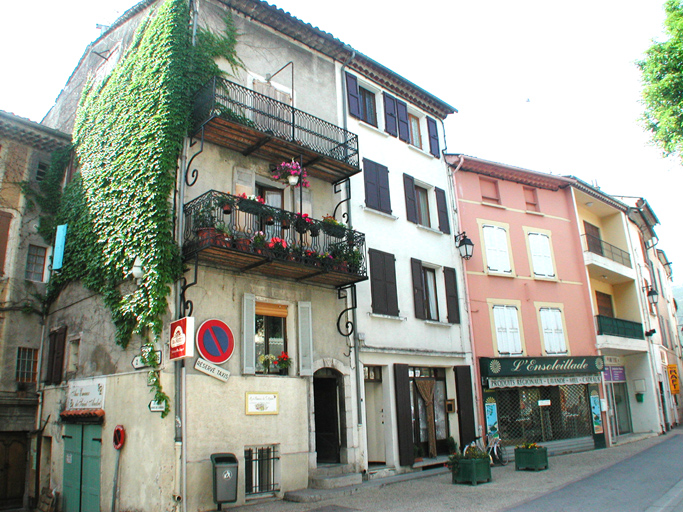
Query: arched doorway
x=328, y=402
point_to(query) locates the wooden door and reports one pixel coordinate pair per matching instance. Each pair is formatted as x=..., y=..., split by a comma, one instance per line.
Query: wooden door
x=13, y=448
x=374, y=423
x=593, y=238
x=604, y=304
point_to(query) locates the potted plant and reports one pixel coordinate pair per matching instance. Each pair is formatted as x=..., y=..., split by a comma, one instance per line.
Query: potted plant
x=278, y=246
x=333, y=227
x=302, y=222
x=266, y=361
x=251, y=204
x=472, y=467
x=291, y=173
x=223, y=234
x=226, y=203
x=283, y=363
x=258, y=242
x=531, y=456
x=204, y=221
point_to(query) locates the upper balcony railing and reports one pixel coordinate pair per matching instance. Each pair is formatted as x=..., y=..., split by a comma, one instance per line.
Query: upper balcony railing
x=617, y=327
x=250, y=236
x=600, y=247
x=252, y=123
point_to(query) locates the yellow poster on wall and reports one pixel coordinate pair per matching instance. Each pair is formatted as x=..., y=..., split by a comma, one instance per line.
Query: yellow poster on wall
x=674, y=382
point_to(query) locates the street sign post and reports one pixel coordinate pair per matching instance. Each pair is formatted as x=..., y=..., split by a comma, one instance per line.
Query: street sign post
x=215, y=341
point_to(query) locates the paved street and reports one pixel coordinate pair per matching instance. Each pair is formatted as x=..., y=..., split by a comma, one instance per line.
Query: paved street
x=643, y=476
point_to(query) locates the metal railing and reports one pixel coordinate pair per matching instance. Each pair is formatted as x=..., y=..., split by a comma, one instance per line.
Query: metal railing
x=233, y=102
x=259, y=470
x=247, y=225
x=617, y=327
x=597, y=246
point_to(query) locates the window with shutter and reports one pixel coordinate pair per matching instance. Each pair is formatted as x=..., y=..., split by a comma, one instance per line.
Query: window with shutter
x=433, y=134
x=55, y=361
x=541, y=256
x=422, y=201
x=553, y=331
x=403, y=123
x=353, y=95
x=496, y=246
x=415, y=134
x=442, y=209
x=368, y=109
x=5, y=219
x=418, y=289
x=383, y=283
x=411, y=199
x=506, y=324
x=248, y=330
x=376, y=178
x=390, y=116
x=35, y=262
x=489, y=191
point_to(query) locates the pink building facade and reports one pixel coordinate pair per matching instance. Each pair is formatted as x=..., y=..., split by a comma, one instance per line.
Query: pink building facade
x=538, y=372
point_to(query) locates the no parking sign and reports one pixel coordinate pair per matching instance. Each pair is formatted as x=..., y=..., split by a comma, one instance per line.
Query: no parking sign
x=215, y=341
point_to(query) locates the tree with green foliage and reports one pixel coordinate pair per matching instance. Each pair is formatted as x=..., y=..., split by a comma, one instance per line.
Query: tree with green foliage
x=662, y=72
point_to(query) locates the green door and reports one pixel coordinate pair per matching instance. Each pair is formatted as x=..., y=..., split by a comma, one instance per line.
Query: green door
x=82, y=447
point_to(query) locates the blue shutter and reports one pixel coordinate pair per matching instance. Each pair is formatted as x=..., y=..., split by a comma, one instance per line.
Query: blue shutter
x=452, y=301
x=411, y=200
x=403, y=126
x=353, y=95
x=433, y=137
x=371, y=184
x=442, y=210
x=418, y=288
x=390, y=115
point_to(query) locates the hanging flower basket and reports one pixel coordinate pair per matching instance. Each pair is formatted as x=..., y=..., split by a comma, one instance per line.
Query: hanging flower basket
x=333, y=227
x=291, y=173
x=252, y=204
x=302, y=223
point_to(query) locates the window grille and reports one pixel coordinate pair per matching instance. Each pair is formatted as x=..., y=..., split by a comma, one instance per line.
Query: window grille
x=27, y=364
x=260, y=469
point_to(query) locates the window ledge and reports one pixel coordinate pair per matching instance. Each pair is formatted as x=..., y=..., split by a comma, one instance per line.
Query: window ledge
x=499, y=274
x=431, y=230
x=420, y=150
x=378, y=212
x=372, y=127
x=388, y=317
x=493, y=205
x=552, y=279
x=530, y=212
x=438, y=323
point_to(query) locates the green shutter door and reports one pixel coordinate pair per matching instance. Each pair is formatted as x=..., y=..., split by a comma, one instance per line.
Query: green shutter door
x=71, y=501
x=90, y=484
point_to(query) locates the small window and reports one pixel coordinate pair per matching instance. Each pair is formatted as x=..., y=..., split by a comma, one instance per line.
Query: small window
x=541, y=255
x=431, y=307
x=35, y=264
x=27, y=364
x=368, y=109
x=422, y=197
x=489, y=191
x=372, y=373
x=531, y=199
x=261, y=469
x=270, y=338
x=415, y=134
x=41, y=171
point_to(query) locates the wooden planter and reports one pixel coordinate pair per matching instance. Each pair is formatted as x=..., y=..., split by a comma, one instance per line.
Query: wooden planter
x=535, y=459
x=472, y=471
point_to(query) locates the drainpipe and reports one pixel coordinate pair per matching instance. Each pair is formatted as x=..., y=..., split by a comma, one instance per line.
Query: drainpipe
x=476, y=384
x=39, y=392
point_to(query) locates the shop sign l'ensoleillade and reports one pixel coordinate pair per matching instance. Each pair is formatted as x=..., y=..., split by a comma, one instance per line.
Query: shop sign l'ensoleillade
x=515, y=366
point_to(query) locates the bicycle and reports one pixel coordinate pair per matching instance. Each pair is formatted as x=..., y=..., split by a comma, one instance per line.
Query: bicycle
x=494, y=449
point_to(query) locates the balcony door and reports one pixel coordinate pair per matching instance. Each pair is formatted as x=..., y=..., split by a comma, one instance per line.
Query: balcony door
x=593, y=238
x=604, y=301
x=273, y=197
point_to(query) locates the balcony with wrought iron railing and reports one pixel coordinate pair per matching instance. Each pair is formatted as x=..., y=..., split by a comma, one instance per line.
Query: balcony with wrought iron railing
x=597, y=246
x=247, y=235
x=608, y=326
x=251, y=123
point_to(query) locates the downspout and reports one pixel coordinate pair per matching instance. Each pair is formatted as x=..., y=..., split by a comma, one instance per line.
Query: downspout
x=39, y=392
x=475, y=384
x=354, y=315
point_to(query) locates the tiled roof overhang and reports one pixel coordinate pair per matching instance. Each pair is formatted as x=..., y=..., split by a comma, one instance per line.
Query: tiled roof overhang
x=328, y=45
x=507, y=172
x=82, y=415
x=594, y=192
x=32, y=133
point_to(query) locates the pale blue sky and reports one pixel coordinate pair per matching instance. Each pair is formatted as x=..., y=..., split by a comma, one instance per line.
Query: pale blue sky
x=544, y=85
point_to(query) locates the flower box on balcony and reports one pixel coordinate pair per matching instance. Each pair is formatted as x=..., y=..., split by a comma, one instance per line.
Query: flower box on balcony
x=535, y=459
x=254, y=206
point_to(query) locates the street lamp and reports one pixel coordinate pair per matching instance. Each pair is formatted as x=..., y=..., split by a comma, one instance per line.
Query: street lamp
x=652, y=296
x=464, y=245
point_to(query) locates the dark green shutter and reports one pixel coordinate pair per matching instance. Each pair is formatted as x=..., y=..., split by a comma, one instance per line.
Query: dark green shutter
x=404, y=418
x=390, y=123
x=442, y=210
x=465, y=401
x=353, y=95
x=418, y=288
x=411, y=200
x=452, y=302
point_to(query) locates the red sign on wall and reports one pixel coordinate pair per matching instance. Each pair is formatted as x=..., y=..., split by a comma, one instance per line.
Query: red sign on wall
x=182, y=337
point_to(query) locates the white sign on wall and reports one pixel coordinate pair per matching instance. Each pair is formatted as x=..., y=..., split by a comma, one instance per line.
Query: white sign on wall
x=85, y=394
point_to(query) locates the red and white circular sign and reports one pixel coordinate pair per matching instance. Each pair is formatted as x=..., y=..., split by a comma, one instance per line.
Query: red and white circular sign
x=215, y=341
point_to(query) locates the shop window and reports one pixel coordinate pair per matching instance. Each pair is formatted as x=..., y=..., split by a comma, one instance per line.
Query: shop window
x=383, y=283
x=429, y=418
x=27, y=364
x=35, y=263
x=508, y=336
x=553, y=331
x=261, y=469
x=541, y=255
x=497, y=252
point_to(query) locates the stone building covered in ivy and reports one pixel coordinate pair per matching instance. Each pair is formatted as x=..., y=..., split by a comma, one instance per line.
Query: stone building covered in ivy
x=219, y=178
x=26, y=155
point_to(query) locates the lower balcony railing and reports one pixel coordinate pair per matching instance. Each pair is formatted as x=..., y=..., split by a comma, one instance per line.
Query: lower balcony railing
x=244, y=233
x=617, y=327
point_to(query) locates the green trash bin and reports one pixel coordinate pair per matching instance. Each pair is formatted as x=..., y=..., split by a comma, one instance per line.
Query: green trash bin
x=225, y=467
